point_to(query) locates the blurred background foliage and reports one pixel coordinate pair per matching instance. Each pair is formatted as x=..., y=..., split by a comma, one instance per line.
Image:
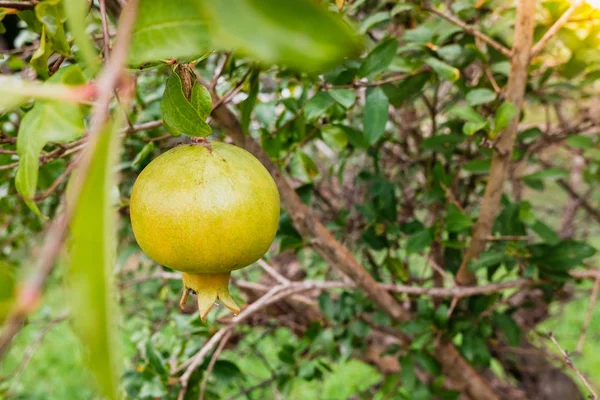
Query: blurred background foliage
x=383, y=117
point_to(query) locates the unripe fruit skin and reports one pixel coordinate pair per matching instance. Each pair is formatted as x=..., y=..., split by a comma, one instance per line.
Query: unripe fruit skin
x=205, y=209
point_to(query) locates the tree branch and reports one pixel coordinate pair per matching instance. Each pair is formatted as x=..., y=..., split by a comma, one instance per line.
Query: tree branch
x=19, y=5
x=501, y=159
x=471, y=30
x=555, y=28
x=588, y=316
x=572, y=366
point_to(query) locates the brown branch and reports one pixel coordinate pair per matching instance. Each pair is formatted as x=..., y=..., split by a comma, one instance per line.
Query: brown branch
x=359, y=84
x=572, y=367
x=555, y=28
x=30, y=291
x=211, y=364
x=471, y=30
x=105, y=31
x=46, y=193
x=588, y=316
x=19, y=5
x=501, y=159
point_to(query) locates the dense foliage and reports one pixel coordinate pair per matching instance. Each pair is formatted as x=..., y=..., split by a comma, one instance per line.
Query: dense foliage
x=436, y=162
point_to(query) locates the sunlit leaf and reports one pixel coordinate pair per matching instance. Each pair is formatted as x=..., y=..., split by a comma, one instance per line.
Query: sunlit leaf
x=76, y=11
x=444, y=70
x=301, y=34
x=165, y=29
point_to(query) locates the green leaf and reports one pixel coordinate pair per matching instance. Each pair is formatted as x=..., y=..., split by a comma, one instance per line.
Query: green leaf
x=8, y=290
x=505, y=113
x=444, y=70
x=509, y=327
x=345, y=97
x=49, y=13
x=92, y=255
x=562, y=256
x=76, y=11
x=376, y=114
x=550, y=173
x=318, y=105
x=419, y=241
x=155, y=359
x=408, y=88
x=226, y=371
x=466, y=113
x=183, y=116
x=488, y=259
x=248, y=105
x=334, y=136
x=476, y=97
x=471, y=128
x=379, y=58
x=303, y=167
x=372, y=20
x=456, y=220
x=201, y=101
x=580, y=142
x=39, y=59
x=167, y=30
x=407, y=373
x=478, y=166
x=47, y=121
x=146, y=151
x=298, y=33
x=547, y=234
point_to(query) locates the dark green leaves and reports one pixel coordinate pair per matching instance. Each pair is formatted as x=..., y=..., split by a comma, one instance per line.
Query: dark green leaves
x=165, y=30
x=181, y=115
x=248, y=105
x=376, y=114
x=318, y=105
x=379, y=58
x=505, y=113
x=298, y=33
x=562, y=256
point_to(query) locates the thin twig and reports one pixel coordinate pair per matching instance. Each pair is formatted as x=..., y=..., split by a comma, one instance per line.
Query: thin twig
x=56, y=183
x=30, y=291
x=273, y=272
x=19, y=5
x=471, y=30
x=572, y=367
x=555, y=27
x=105, y=31
x=359, y=84
x=219, y=71
x=211, y=364
x=588, y=316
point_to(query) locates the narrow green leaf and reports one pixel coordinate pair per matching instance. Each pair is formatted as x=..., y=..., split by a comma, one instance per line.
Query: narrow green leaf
x=478, y=166
x=550, y=173
x=444, y=70
x=180, y=115
x=379, y=58
x=168, y=30
x=298, y=33
x=488, y=259
x=39, y=59
x=376, y=114
x=76, y=11
x=547, y=234
x=479, y=96
x=247, y=106
x=91, y=265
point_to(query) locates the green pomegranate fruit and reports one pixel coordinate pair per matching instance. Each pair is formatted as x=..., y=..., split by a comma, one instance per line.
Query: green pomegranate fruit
x=205, y=210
